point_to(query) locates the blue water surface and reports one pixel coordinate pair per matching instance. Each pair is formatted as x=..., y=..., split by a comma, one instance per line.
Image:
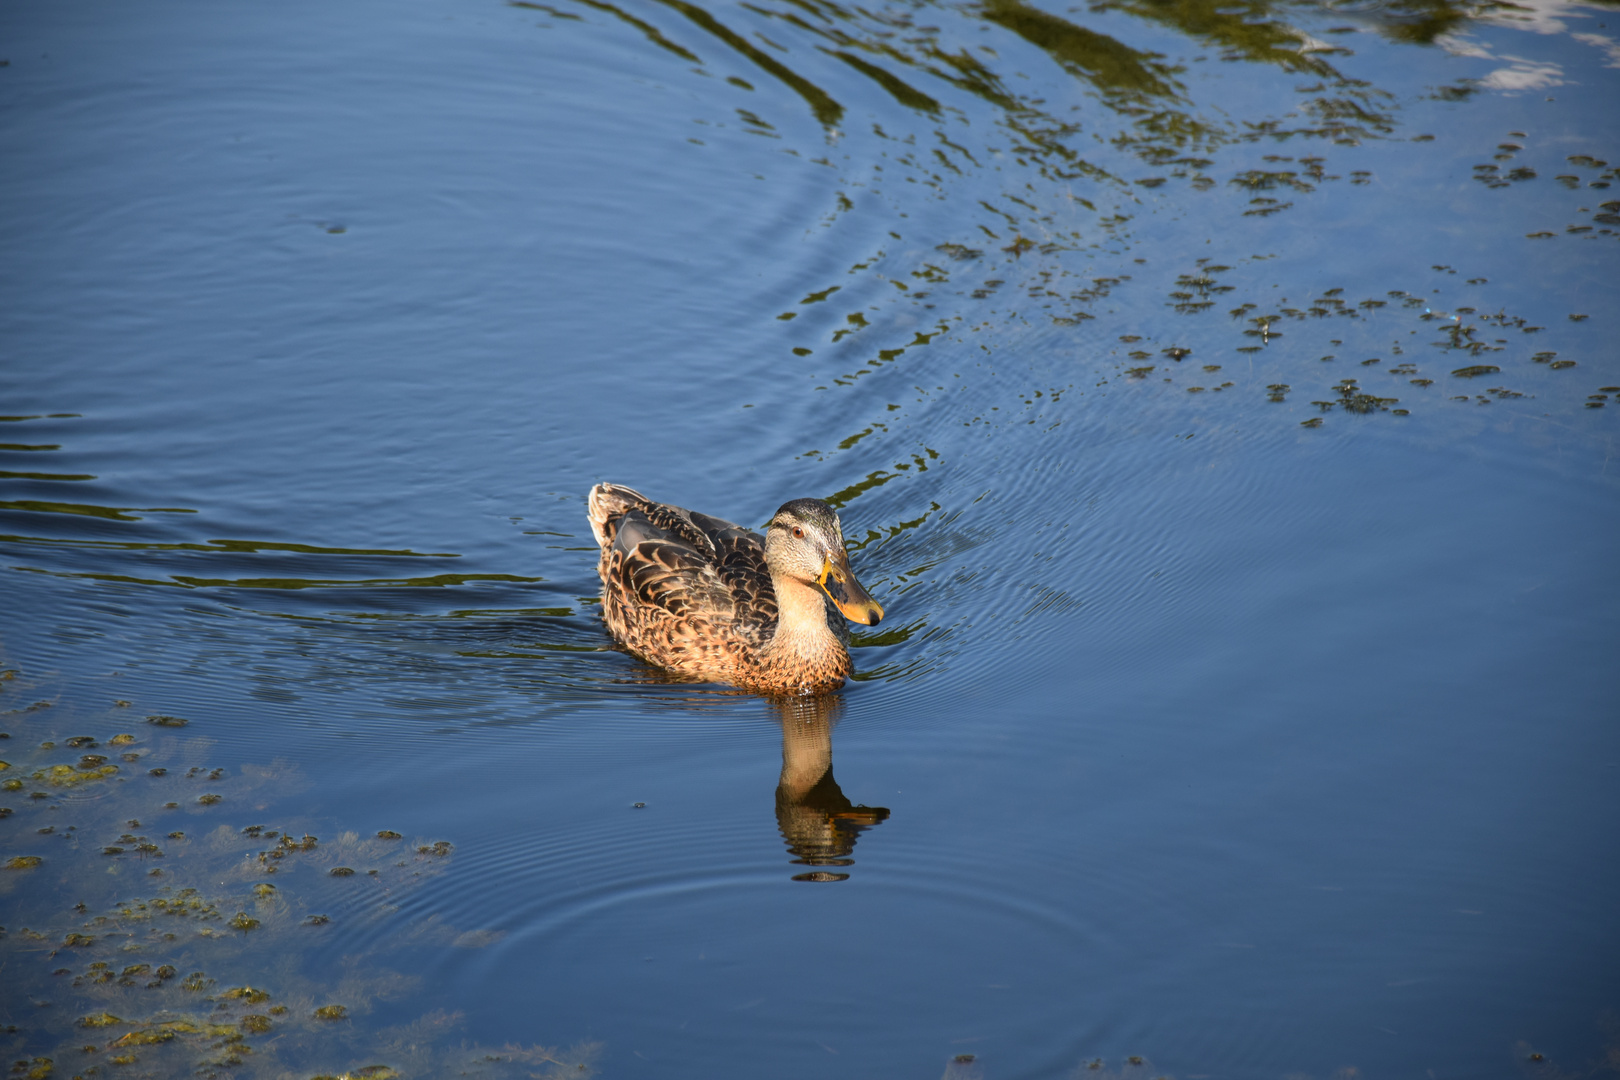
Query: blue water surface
x=1220, y=400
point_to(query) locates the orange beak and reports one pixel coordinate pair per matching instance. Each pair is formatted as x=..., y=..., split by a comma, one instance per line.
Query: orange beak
x=837, y=580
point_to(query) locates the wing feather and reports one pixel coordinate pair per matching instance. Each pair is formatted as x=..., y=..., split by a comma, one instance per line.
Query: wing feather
x=689, y=590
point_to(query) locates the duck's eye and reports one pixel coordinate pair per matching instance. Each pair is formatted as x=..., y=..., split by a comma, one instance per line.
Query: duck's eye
x=798, y=533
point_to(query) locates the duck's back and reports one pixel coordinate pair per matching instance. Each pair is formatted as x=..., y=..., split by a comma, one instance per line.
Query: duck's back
x=682, y=589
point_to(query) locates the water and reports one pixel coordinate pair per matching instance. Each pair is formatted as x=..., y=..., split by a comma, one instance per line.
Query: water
x=1245, y=706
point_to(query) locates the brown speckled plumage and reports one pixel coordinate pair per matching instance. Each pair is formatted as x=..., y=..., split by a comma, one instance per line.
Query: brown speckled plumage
x=698, y=595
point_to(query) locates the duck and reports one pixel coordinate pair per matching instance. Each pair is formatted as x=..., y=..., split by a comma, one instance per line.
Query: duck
x=705, y=598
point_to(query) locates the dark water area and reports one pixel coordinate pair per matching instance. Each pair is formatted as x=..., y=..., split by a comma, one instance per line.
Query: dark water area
x=1221, y=401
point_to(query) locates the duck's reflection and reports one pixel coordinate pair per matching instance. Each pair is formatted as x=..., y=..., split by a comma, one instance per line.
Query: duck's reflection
x=818, y=822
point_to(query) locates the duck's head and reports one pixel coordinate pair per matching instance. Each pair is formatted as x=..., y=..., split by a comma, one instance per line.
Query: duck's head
x=805, y=542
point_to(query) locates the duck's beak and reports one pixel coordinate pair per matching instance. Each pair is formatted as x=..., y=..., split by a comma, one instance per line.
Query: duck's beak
x=838, y=581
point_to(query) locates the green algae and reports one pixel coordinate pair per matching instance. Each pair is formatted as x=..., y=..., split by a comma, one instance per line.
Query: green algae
x=71, y=776
x=128, y=947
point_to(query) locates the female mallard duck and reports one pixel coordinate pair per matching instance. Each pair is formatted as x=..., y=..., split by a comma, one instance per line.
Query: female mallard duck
x=708, y=598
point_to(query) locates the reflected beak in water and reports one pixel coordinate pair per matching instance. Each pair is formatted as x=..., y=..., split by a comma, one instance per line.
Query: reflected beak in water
x=838, y=581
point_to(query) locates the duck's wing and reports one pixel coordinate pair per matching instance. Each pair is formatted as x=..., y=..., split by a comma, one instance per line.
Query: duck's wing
x=740, y=562
x=660, y=570
x=673, y=570
x=679, y=559
x=610, y=503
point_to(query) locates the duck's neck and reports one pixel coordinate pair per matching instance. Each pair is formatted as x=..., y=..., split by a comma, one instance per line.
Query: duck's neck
x=802, y=634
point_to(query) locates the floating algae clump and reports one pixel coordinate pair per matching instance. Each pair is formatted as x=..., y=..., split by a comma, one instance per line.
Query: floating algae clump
x=129, y=944
x=71, y=776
